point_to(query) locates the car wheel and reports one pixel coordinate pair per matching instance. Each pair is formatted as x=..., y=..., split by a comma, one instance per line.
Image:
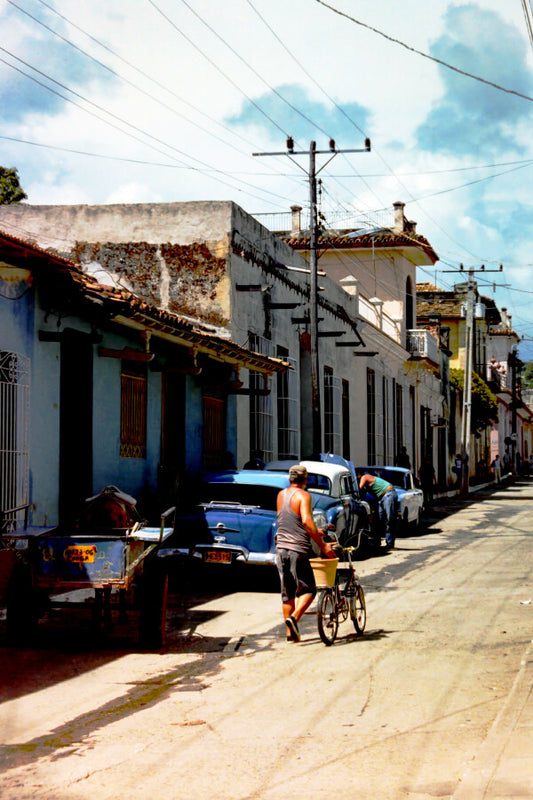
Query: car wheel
x=416, y=523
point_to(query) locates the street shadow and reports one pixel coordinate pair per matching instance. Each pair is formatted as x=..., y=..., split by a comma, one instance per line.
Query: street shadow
x=66, y=645
x=192, y=578
x=136, y=696
x=348, y=638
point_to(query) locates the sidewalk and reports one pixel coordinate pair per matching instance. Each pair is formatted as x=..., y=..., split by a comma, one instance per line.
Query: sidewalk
x=503, y=767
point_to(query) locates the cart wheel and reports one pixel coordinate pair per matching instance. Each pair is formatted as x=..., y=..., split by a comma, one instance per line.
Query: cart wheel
x=23, y=606
x=153, y=598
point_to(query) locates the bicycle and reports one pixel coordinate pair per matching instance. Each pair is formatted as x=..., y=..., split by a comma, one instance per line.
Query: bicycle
x=336, y=602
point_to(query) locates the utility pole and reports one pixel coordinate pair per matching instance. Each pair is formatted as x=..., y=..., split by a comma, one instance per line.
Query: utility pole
x=467, y=389
x=313, y=268
x=466, y=422
x=513, y=356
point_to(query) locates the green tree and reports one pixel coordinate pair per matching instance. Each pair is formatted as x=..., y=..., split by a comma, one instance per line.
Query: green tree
x=10, y=189
x=484, y=402
x=528, y=374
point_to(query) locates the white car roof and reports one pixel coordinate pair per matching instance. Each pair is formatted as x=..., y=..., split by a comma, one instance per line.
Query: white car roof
x=320, y=468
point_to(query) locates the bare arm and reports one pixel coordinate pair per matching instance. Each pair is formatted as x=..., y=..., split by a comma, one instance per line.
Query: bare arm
x=316, y=534
x=366, y=480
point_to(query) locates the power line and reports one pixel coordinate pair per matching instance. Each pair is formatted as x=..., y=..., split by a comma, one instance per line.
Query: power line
x=255, y=72
x=123, y=121
x=138, y=70
x=150, y=96
x=218, y=69
x=127, y=160
x=315, y=82
x=418, y=173
x=527, y=15
x=426, y=55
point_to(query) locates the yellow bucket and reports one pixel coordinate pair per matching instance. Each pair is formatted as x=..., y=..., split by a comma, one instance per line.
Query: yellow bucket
x=324, y=570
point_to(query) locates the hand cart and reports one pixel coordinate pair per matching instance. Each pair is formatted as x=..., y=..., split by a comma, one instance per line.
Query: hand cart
x=52, y=562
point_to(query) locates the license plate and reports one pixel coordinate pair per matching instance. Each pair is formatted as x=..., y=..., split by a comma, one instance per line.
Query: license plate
x=81, y=554
x=218, y=556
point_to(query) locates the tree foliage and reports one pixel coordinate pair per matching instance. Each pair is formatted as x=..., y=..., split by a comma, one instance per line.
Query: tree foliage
x=10, y=189
x=484, y=402
x=528, y=374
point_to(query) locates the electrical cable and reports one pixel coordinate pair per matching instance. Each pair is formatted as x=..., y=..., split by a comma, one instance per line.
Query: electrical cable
x=426, y=55
x=218, y=69
x=144, y=74
x=243, y=60
x=101, y=155
x=319, y=86
x=151, y=97
x=125, y=122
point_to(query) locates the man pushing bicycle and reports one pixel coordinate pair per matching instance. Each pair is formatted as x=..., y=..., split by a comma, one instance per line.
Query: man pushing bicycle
x=295, y=533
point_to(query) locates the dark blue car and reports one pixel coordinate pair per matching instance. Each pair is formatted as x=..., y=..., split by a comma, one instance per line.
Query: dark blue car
x=236, y=518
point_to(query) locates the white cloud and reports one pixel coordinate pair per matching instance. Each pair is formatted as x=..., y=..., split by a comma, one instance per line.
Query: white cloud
x=397, y=88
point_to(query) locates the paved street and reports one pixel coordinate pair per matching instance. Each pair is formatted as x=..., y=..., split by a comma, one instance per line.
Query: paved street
x=433, y=701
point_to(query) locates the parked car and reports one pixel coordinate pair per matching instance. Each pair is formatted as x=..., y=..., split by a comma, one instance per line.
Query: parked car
x=236, y=518
x=410, y=497
x=335, y=477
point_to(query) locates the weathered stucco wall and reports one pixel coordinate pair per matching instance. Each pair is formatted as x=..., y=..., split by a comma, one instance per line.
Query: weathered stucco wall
x=60, y=227
x=171, y=254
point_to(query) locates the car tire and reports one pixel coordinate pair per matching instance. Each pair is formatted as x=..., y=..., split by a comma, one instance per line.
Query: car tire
x=416, y=523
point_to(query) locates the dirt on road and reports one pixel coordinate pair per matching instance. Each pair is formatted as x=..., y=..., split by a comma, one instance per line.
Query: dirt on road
x=229, y=710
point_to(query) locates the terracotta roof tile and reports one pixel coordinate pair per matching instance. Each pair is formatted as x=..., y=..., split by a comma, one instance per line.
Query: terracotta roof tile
x=383, y=238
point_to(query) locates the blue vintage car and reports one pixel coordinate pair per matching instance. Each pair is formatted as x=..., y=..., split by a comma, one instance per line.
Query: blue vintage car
x=410, y=497
x=236, y=518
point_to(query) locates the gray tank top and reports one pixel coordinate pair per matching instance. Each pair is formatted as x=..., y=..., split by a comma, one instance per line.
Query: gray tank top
x=291, y=533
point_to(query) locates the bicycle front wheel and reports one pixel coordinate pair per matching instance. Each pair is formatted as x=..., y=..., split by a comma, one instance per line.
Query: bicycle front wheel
x=358, y=609
x=327, y=618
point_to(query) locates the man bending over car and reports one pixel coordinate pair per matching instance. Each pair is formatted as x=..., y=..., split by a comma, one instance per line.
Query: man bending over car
x=385, y=493
x=296, y=529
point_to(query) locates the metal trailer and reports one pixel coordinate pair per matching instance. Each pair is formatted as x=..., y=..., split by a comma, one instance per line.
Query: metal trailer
x=117, y=563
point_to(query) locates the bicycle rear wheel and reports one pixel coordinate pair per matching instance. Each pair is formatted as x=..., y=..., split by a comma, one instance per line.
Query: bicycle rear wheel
x=327, y=618
x=358, y=608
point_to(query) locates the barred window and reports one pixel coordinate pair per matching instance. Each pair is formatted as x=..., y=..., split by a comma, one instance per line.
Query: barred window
x=346, y=419
x=14, y=438
x=371, y=415
x=385, y=413
x=288, y=408
x=133, y=411
x=398, y=418
x=332, y=412
x=260, y=405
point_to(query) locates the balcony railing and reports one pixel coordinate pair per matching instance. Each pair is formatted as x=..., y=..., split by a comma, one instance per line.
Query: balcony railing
x=497, y=379
x=422, y=344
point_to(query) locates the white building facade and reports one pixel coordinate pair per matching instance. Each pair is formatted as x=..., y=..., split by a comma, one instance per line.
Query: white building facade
x=379, y=379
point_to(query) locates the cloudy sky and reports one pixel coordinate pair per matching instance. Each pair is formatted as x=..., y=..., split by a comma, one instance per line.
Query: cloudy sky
x=167, y=100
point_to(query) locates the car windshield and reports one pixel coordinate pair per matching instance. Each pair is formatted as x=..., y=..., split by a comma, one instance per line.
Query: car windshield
x=243, y=493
